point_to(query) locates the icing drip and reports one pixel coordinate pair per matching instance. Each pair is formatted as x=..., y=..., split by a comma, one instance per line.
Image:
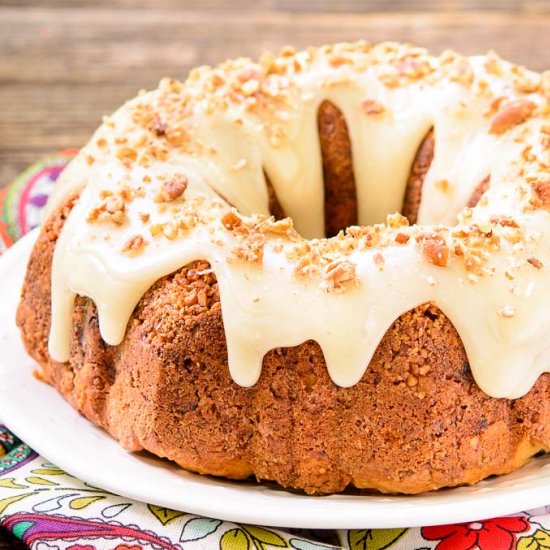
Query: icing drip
x=158, y=179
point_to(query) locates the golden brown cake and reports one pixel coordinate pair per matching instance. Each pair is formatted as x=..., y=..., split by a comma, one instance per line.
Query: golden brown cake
x=390, y=333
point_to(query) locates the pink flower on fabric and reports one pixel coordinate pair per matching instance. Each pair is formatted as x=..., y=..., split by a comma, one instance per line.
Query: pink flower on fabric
x=490, y=534
x=80, y=547
x=126, y=547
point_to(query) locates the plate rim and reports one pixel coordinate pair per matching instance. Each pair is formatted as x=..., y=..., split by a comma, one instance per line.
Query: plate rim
x=263, y=505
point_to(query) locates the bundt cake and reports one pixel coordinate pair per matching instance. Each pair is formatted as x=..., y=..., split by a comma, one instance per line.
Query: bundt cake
x=328, y=268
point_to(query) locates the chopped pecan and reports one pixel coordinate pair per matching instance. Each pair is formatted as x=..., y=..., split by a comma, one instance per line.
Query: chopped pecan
x=338, y=274
x=372, y=107
x=535, y=262
x=127, y=155
x=505, y=221
x=230, y=221
x=472, y=263
x=114, y=204
x=511, y=114
x=172, y=189
x=402, y=238
x=435, y=249
x=461, y=71
x=158, y=127
x=134, y=244
x=542, y=192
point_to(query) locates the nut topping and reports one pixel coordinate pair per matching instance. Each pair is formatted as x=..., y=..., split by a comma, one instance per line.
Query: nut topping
x=172, y=189
x=434, y=249
x=372, y=107
x=338, y=275
x=134, y=244
x=511, y=114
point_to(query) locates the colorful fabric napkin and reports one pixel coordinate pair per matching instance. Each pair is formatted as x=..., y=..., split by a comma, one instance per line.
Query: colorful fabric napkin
x=51, y=510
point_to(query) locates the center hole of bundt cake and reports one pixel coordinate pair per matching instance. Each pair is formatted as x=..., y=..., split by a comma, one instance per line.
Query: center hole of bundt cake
x=339, y=182
x=340, y=195
x=419, y=169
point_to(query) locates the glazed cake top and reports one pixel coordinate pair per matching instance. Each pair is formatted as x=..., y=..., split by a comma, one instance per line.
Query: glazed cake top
x=177, y=175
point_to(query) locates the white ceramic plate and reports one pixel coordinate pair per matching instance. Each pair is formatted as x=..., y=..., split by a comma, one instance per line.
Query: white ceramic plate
x=39, y=416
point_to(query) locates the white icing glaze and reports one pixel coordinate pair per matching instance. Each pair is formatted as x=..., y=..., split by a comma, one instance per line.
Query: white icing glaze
x=499, y=308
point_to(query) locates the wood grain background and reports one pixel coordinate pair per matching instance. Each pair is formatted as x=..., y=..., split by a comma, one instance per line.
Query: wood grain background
x=65, y=63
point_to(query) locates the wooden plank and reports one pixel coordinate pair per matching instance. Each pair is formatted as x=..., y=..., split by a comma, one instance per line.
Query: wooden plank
x=360, y=6
x=41, y=46
x=329, y=6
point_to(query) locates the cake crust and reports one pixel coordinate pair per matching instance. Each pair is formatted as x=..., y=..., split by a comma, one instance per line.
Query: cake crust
x=415, y=422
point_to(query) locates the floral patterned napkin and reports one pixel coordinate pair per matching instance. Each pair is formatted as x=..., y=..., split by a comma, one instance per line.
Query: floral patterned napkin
x=51, y=510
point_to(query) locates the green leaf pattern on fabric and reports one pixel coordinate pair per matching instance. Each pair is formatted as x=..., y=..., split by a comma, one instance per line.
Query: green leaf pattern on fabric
x=9, y=483
x=36, y=480
x=250, y=536
x=199, y=528
x=5, y=503
x=164, y=515
x=539, y=540
x=83, y=502
x=234, y=539
x=374, y=539
x=262, y=538
x=49, y=472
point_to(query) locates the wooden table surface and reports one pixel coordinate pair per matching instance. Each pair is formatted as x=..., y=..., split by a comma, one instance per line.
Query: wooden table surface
x=62, y=67
x=65, y=63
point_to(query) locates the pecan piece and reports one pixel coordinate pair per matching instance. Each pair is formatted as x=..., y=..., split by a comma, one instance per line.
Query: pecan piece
x=172, y=189
x=511, y=114
x=134, y=244
x=372, y=107
x=435, y=249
